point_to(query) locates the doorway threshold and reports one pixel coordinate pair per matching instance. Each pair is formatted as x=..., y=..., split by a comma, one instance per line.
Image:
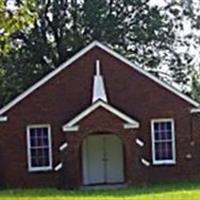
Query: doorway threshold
x=104, y=187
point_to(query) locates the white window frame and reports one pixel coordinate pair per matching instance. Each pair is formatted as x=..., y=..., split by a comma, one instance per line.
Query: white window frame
x=44, y=168
x=163, y=162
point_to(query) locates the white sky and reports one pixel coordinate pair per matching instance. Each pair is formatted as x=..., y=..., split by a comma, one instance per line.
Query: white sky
x=158, y=2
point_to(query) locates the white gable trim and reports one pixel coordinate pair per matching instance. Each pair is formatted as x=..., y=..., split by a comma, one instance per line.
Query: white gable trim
x=3, y=118
x=77, y=56
x=195, y=110
x=46, y=78
x=71, y=128
x=71, y=125
x=130, y=126
x=152, y=77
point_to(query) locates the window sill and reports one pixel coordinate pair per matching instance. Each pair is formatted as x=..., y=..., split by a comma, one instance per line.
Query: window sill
x=39, y=169
x=164, y=162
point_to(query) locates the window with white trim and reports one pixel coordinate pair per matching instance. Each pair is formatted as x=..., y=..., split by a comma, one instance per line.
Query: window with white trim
x=39, y=148
x=163, y=141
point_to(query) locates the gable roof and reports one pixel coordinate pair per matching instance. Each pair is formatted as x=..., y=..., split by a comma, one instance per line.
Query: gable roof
x=77, y=56
x=129, y=122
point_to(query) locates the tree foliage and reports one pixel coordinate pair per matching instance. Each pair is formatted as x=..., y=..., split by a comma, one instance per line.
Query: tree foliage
x=14, y=19
x=196, y=85
x=183, y=15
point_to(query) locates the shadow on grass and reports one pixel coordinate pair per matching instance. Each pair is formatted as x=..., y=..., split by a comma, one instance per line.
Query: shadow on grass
x=125, y=192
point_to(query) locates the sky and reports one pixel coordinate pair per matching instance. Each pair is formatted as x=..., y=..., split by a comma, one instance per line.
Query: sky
x=158, y=2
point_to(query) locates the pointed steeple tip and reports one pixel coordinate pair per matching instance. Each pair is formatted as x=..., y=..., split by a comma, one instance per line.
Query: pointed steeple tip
x=99, y=92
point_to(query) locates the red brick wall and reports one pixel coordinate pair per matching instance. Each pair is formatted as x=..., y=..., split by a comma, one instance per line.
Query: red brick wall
x=70, y=92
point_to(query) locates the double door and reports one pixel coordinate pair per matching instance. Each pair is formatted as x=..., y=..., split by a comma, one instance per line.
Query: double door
x=102, y=159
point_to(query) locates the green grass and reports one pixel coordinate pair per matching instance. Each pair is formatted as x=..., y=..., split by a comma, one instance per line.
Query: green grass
x=178, y=191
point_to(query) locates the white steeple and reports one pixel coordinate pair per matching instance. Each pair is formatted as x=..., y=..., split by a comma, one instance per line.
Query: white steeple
x=99, y=92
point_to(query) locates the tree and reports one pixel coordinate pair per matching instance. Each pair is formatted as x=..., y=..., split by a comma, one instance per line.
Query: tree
x=196, y=85
x=185, y=15
x=14, y=19
x=134, y=28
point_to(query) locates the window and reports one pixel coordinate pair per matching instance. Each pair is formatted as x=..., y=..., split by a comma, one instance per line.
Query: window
x=39, y=148
x=163, y=141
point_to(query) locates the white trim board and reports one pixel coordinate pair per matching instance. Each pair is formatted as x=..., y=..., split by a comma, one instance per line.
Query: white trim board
x=63, y=146
x=3, y=118
x=195, y=110
x=139, y=142
x=145, y=162
x=81, y=53
x=128, y=121
x=58, y=167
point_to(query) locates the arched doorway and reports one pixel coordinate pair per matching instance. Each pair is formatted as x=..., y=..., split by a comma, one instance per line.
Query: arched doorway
x=102, y=159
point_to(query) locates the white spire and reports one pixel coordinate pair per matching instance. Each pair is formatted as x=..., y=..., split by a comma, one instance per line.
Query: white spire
x=97, y=68
x=99, y=92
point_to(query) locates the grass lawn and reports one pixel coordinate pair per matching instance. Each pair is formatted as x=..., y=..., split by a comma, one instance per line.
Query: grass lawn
x=178, y=191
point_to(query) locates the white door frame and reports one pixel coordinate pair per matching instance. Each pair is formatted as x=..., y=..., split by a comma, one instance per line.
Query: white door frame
x=90, y=176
